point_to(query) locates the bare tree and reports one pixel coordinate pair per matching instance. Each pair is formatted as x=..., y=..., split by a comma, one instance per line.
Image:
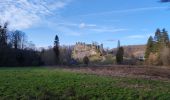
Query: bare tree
x=3, y=35
x=65, y=54
x=18, y=39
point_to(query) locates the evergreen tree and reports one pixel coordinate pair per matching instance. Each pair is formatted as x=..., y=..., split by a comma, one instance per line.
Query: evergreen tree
x=157, y=45
x=56, y=49
x=158, y=41
x=157, y=37
x=118, y=44
x=149, y=47
x=165, y=38
x=119, y=55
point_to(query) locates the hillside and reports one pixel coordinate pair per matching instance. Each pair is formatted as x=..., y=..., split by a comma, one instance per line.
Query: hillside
x=135, y=50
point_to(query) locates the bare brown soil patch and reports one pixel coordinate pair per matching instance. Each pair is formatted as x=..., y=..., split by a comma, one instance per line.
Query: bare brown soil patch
x=148, y=72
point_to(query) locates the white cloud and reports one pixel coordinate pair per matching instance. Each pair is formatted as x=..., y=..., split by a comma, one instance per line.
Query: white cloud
x=137, y=36
x=127, y=11
x=79, y=29
x=77, y=25
x=105, y=29
x=84, y=25
x=91, y=27
x=23, y=14
x=112, y=40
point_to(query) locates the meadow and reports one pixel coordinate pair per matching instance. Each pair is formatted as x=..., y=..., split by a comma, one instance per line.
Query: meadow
x=60, y=84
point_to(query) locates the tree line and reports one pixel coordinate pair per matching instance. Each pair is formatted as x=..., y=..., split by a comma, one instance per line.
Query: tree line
x=15, y=50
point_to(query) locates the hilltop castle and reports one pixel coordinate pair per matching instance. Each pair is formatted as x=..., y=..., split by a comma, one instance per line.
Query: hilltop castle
x=82, y=49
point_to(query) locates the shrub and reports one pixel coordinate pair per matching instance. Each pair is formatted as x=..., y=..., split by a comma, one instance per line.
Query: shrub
x=165, y=56
x=86, y=60
x=153, y=59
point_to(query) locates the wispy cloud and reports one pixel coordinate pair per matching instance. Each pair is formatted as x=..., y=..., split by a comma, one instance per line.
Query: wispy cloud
x=105, y=29
x=112, y=40
x=23, y=14
x=78, y=29
x=134, y=37
x=127, y=11
x=81, y=25
x=138, y=36
x=84, y=25
x=83, y=28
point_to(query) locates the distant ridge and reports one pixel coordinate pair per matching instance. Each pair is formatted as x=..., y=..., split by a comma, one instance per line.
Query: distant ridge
x=132, y=50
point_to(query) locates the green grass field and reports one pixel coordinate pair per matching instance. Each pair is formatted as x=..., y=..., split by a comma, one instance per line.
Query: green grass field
x=54, y=84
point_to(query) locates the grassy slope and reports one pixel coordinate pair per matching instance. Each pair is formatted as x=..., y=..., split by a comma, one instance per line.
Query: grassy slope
x=41, y=83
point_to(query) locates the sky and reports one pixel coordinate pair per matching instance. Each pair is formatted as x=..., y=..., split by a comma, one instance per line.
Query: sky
x=102, y=21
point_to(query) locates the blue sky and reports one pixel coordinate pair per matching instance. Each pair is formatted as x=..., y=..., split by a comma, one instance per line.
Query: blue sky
x=103, y=21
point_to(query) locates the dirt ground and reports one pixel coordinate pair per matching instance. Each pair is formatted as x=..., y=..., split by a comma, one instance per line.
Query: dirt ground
x=148, y=72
